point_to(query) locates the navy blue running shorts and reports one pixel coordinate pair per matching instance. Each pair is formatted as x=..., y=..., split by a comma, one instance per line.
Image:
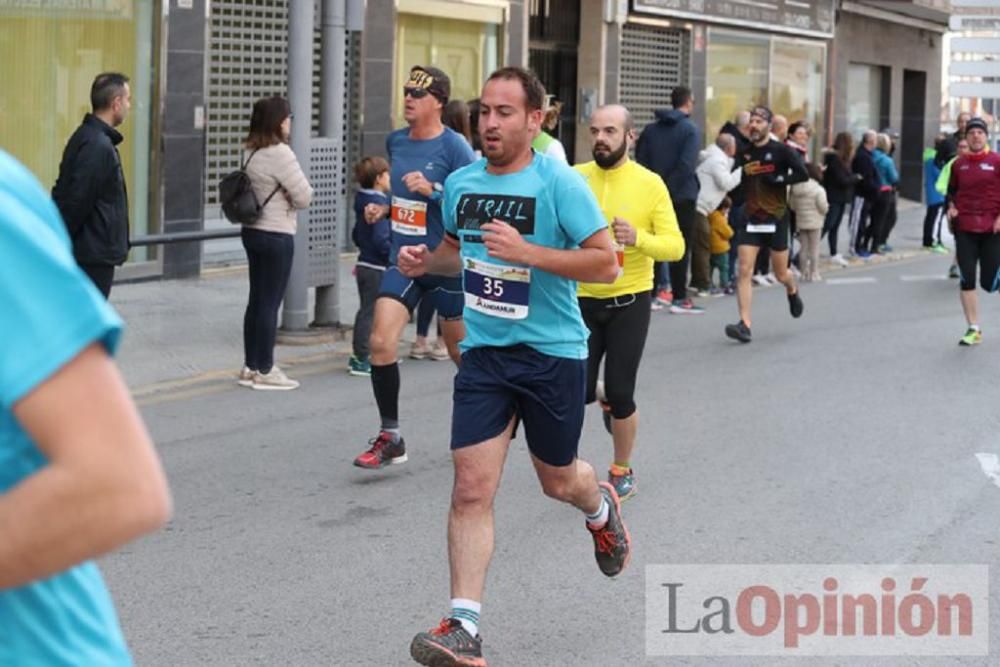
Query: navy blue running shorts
x=446, y=292
x=546, y=394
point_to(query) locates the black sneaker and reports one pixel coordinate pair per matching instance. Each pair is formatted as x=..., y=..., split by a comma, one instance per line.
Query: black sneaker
x=795, y=305
x=740, y=332
x=384, y=451
x=448, y=645
x=612, y=544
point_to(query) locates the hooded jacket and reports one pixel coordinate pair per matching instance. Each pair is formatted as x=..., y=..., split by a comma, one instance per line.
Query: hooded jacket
x=669, y=147
x=886, y=168
x=716, y=177
x=864, y=166
x=932, y=172
x=90, y=194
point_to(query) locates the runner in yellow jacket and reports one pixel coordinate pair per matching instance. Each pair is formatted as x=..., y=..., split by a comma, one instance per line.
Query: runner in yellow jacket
x=641, y=217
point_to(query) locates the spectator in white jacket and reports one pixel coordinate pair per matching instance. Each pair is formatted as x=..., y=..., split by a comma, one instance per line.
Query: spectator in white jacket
x=808, y=200
x=717, y=177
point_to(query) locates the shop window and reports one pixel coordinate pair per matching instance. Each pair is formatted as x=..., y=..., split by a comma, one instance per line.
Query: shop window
x=867, y=98
x=467, y=51
x=49, y=56
x=797, y=84
x=737, y=77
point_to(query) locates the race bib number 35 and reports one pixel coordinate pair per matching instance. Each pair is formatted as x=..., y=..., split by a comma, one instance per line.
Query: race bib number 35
x=409, y=217
x=493, y=289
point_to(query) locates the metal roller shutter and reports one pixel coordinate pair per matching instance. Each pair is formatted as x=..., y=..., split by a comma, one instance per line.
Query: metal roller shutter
x=248, y=52
x=654, y=59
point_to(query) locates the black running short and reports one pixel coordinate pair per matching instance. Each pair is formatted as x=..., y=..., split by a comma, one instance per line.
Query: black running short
x=758, y=233
x=618, y=328
x=982, y=248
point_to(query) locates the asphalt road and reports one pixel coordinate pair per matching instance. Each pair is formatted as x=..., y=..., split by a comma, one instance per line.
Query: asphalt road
x=848, y=436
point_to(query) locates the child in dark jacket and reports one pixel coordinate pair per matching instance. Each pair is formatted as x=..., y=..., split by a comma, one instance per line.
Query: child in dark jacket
x=372, y=237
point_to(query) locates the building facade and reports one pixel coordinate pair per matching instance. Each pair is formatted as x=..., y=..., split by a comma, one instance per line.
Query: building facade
x=885, y=73
x=197, y=66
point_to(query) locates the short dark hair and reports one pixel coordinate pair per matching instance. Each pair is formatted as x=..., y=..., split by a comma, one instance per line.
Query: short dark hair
x=265, y=122
x=367, y=171
x=680, y=96
x=106, y=87
x=794, y=127
x=534, y=91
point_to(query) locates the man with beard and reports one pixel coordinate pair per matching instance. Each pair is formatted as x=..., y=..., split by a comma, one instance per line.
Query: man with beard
x=522, y=229
x=769, y=167
x=641, y=218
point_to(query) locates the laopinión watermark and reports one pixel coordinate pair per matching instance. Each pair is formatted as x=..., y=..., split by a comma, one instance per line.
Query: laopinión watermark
x=817, y=610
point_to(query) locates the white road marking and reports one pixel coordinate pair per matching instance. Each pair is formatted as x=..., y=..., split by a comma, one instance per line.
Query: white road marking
x=990, y=463
x=923, y=278
x=851, y=281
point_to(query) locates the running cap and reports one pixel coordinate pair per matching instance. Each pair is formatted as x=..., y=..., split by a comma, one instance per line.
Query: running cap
x=431, y=79
x=763, y=112
x=977, y=123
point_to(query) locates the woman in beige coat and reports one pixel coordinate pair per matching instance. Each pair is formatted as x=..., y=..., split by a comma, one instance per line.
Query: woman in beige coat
x=282, y=189
x=808, y=200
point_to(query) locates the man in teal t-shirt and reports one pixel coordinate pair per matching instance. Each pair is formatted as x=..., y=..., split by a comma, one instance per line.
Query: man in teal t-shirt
x=521, y=228
x=78, y=475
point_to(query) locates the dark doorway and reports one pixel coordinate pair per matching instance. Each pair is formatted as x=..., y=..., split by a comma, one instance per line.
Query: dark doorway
x=911, y=139
x=553, y=46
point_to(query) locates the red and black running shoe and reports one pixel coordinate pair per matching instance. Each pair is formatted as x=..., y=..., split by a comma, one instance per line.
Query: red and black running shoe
x=384, y=451
x=448, y=645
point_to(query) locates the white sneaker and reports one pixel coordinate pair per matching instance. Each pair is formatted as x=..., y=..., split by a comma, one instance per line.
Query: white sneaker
x=771, y=279
x=439, y=351
x=246, y=377
x=420, y=349
x=760, y=280
x=839, y=260
x=275, y=380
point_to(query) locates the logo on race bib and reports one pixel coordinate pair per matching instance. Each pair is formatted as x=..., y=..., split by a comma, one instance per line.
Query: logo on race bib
x=409, y=217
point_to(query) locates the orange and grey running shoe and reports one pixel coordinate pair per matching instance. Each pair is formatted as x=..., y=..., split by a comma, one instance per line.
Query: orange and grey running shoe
x=612, y=544
x=448, y=645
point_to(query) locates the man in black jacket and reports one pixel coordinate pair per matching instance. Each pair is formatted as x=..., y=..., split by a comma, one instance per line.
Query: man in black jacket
x=669, y=147
x=865, y=191
x=90, y=191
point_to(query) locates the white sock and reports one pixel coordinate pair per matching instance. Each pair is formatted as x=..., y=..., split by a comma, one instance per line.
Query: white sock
x=467, y=613
x=974, y=327
x=599, y=518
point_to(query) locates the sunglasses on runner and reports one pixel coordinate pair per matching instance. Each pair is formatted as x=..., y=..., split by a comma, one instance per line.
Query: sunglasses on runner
x=416, y=93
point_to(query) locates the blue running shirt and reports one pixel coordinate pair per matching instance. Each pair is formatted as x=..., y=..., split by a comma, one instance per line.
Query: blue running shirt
x=505, y=304
x=49, y=312
x=417, y=219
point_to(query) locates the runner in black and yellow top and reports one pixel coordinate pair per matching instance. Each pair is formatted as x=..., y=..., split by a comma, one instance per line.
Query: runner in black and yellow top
x=639, y=212
x=769, y=167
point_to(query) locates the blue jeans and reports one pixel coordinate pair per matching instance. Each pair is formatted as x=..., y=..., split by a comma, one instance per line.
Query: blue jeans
x=269, y=255
x=831, y=224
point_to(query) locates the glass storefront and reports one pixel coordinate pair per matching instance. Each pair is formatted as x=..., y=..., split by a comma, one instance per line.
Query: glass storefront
x=49, y=55
x=467, y=50
x=737, y=77
x=787, y=75
x=865, y=86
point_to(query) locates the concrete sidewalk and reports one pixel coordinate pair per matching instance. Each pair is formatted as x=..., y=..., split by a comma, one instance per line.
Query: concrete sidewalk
x=183, y=332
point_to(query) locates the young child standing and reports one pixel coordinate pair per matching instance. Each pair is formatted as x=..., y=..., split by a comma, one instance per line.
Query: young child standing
x=721, y=232
x=372, y=237
x=808, y=200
